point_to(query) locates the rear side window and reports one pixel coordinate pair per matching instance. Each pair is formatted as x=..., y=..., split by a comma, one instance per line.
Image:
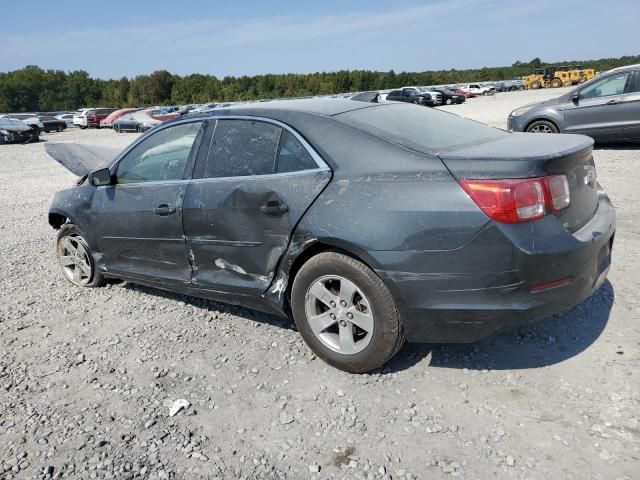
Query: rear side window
x=241, y=148
x=292, y=156
x=422, y=129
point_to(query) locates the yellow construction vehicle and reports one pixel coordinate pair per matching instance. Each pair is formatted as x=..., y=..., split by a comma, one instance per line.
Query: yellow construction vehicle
x=555, y=77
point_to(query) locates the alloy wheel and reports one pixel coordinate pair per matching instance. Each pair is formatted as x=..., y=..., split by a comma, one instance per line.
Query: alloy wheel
x=76, y=264
x=339, y=314
x=541, y=129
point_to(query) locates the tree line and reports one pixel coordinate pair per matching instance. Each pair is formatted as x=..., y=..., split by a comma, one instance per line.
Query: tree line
x=33, y=89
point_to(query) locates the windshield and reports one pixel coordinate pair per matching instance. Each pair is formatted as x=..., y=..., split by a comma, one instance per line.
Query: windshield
x=419, y=128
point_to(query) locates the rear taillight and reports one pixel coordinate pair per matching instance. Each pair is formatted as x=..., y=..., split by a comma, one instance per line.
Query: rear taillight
x=558, y=192
x=519, y=200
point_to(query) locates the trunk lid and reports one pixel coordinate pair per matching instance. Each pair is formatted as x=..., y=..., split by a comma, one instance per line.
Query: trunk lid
x=526, y=155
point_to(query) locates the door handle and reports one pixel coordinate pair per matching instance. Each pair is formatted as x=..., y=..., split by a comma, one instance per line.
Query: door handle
x=613, y=102
x=164, y=210
x=274, y=208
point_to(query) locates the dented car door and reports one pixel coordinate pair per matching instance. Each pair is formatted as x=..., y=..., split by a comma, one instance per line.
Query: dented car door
x=251, y=186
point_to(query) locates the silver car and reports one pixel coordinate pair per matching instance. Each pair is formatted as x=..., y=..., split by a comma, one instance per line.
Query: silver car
x=606, y=108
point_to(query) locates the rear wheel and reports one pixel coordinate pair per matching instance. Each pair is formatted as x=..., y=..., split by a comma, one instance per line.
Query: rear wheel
x=116, y=128
x=59, y=128
x=75, y=258
x=556, y=83
x=345, y=313
x=138, y=128
x=542, y=126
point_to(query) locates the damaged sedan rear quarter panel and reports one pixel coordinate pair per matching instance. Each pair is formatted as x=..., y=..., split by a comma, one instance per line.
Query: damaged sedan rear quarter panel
x=393, y=205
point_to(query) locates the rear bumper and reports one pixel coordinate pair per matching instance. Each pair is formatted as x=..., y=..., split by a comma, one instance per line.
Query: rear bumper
x=464, y=295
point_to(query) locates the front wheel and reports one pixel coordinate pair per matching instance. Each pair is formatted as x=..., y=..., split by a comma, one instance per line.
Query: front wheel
x=139, y=128
x=345, y=313
x=116, y=128
x=448, y=101
x=75, y=258
x=542, y=126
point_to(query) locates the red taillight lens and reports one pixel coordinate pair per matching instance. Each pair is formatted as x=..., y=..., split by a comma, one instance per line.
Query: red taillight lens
x=519, y=200
x=509, y=200
x=558, y=192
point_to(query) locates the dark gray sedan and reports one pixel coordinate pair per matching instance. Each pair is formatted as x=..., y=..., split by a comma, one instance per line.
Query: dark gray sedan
x=607, y=108
x=368, y=223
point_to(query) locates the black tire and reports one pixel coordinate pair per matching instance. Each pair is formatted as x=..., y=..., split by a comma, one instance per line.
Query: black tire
x=387, y=336
x=70, y=230
x=59, y=128
x=535, y=85
x=542, y=126
x=556, y=83
x=116, y=128
x=139, y=128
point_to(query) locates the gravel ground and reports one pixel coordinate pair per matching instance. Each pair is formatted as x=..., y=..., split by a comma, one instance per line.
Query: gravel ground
x=87, y=376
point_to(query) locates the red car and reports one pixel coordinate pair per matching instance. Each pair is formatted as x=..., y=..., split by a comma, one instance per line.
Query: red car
x=161, y=114
x=462, y=92
x=108, y=122
x=95, y=116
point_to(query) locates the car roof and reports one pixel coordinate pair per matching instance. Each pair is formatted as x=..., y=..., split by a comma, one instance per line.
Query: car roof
x=626, y=67
x=326, y=107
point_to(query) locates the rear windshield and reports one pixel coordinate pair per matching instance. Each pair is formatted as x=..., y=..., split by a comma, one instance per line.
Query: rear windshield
x=419, y=128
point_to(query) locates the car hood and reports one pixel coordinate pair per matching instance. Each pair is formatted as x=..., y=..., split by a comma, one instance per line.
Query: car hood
x=16, y=128
x=551, y=101
x=81, y=159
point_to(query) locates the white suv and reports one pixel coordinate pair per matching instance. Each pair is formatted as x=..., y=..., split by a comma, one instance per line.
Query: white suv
x=477, y=89
x=28, y=118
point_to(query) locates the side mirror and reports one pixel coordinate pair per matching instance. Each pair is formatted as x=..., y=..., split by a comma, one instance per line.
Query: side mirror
x=101, y=177
x=575, y=98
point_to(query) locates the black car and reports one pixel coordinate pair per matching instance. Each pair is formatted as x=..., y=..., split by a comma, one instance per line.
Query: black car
x=16, y=131
x=367, y=222
x=411, y=96
x=52, y=124
x=449, y=97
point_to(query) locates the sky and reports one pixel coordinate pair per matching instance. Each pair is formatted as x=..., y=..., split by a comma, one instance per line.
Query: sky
x=117, y=38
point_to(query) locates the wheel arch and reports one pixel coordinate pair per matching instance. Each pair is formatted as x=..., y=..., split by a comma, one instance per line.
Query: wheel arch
x=301, y=252
x=545, y=119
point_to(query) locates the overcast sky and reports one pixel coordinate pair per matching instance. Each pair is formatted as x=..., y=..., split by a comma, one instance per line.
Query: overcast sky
x=114, y=38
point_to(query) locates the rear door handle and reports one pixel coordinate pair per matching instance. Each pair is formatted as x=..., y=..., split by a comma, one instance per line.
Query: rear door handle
x=163, y=210
x=274, y=208
x=613, y=102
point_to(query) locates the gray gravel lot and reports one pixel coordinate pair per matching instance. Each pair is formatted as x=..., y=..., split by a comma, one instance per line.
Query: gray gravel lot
x=87, y=375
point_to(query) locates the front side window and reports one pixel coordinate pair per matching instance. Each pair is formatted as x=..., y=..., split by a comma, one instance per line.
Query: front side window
x=162, y=156
x=613, y=85
x=241, y=148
